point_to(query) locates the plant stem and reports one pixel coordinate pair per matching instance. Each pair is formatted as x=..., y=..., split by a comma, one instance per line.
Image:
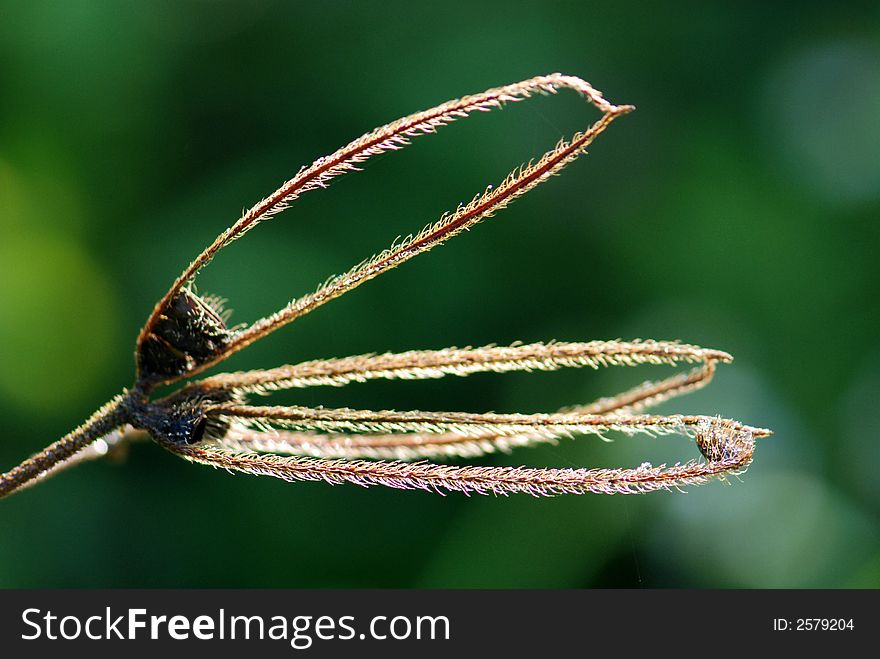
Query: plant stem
x=109, y=417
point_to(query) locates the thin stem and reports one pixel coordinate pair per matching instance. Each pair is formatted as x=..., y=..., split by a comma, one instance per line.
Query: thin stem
x=650, y=394
x=425, y=364
x=102, y=422
x=729, y=444
x=113, y=447
x=418, y=421
x=392, y=446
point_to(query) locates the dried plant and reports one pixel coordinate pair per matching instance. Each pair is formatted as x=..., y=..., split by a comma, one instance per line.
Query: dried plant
x=210, y=421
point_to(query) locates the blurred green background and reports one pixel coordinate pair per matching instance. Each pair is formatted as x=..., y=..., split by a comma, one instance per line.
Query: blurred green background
x=736, y=209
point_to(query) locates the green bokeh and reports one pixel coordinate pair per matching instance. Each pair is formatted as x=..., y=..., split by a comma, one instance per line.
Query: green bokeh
x=737, y=208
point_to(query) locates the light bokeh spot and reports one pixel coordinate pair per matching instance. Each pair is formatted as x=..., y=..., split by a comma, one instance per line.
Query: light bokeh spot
x=824, y=104
x=57, y=323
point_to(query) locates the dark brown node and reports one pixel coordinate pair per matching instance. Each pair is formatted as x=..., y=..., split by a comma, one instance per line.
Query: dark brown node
x=189, y=332
x=181, y=418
